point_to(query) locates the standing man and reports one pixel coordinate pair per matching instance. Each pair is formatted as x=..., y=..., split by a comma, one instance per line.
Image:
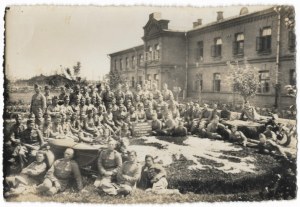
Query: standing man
x=38, y=101
x=48, y=95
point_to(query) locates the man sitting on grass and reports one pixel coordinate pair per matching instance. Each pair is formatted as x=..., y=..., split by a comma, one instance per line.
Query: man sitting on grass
x=109, y=162
x=29, y=176
x=58, y=176
x=127, y=176
x=154, y=178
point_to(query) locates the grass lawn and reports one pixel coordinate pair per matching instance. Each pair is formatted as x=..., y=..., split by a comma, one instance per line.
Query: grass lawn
x=218, y=171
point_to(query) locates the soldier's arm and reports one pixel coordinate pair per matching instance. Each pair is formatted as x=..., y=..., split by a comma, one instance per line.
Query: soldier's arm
x=162, y=172
x=101, y=169
x=41, y=139
x=38, y=169
x=44, y=103
x=118, y=160
x=77, y=175
x=135, y=176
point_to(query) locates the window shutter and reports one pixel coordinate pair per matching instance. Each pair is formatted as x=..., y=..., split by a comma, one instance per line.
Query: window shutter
x=234, y=47
x=258, y=43
x=197, y=52
x=291, y=41
x=213, y=51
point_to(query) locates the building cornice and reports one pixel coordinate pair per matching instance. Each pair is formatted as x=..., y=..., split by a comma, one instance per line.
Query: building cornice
x=223, y=24
x=132, y=49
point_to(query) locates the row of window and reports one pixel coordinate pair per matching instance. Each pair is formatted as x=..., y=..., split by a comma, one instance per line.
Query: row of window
x=131, y=62
x=263, y=44
x=149, y=80
x=264, y=80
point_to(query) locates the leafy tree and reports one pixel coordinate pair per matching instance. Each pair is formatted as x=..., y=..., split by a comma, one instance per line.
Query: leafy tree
x=244, y=78
x=115, y=77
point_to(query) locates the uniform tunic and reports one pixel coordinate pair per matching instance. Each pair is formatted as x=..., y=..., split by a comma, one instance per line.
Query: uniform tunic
x=62, y=171
x=38, y=102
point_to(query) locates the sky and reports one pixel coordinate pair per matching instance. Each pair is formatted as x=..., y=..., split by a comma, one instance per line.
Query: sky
x=44, y=39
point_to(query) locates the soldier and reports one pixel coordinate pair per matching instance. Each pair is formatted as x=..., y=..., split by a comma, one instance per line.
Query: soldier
x=154, y=178
x=108, y=96
x=13, y=137
x=54, y=108
x=38, y=101
x=119, y=94
x=62, y=95
x=66, y=108
x=31, y=140
x=166, y=93
x=60, y=174
x=28, y=177
x=128, y=175
x=75, y=95
x=156, y=93
x=48, y=96
x=109, y=162
x=128, y=94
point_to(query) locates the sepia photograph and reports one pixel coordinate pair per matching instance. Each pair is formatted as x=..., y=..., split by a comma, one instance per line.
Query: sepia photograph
x=149, y=104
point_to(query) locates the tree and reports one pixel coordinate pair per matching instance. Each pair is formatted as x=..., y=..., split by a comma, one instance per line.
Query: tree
x=244, y=78
x=115, y=77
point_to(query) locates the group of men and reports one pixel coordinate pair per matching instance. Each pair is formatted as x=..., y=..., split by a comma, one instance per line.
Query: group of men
x=99, y=115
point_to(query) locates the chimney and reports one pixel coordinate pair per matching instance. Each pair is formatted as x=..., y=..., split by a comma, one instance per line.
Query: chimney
x=199, y=22
x=220, y=15
x=155, y=15
x=195, y=24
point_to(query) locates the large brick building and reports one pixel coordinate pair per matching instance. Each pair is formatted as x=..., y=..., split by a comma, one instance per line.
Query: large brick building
x=196, y=60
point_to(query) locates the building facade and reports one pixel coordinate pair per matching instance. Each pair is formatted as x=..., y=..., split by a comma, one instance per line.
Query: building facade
x=197, y=60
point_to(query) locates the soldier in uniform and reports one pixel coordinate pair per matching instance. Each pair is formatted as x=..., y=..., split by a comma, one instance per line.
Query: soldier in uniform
x=108, y=96
x=28, y=177
x=154, y=178
x=31, y=140
x=156, y=93
x=60, y=174
x=127, y=176
x=109, y=162
x=48, y=96
x=166, y=93
x=38, y=101
x=128, y=94
x=54, y=108
x=119, y=94
x=13, y=136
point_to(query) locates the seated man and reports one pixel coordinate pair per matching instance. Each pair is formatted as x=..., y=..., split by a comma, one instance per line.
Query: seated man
x=31, y=140
x=29, y=176
x=225, y=114
x=249, y=113
x=170, y=125
x=127, y=176
x=59, y=175
x=180, y=130
x=266, y=145
x=156, y=125
x=238, y=136
x=109, y=162
x=154, y=178
x=269, y=133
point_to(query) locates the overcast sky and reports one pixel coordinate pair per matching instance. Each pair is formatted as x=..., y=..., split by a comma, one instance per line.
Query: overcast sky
x=42, y=39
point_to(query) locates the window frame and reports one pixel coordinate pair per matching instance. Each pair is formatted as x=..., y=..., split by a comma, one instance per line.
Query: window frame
x=264, y=89
x=216, y=82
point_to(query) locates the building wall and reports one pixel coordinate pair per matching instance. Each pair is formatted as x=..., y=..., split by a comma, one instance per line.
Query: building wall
x=170, y=68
